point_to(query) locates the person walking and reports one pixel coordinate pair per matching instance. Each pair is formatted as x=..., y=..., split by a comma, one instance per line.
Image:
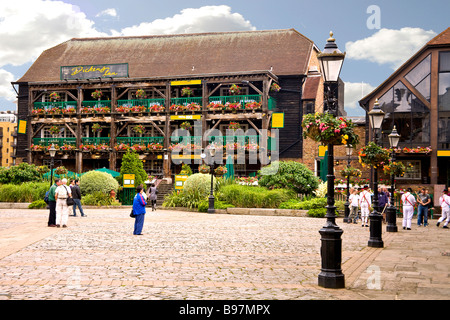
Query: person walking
x=444, y=202
x=424, y=199
x=76, y=196
x=408, y=202
x=139, y=204
x=365, y=203
x=354, y=205
x=62, y=210
x=153, y=196
x=382, y=203
x=52, y=203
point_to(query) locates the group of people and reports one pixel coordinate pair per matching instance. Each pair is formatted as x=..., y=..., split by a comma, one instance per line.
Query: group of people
x=57, y=202
x=363, y=201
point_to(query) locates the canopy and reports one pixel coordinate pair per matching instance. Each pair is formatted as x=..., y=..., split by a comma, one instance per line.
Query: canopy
x=111, y=172
x=69, y=174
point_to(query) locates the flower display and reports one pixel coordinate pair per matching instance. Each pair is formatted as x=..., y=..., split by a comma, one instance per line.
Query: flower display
x=215, y=106
x=96, y=128
x=95, y=109
x=54, y=96
x=425, y=150
x=193, y=107
x=274, y=87
x=220, y=170
x=328, y=129
x=203, y=169
x=67, y=147
x=156, y=108
x=138, y=109
x=232, y=106
x=234, y=146
x=177, y=107
x=69, y=110
x=235, y=89
x=247, y=180
x=183, y=146
x=394, y=168
x=154, y=146
x=252, y=105
x=234, y=126
x=138, y=147
x=123, y=109
x=54, y=130
x=186, y=91
x=186, y=125
x=97, y=94
x=37, y=147
x=140, y=94
x=139, y=129
x=372, y=155
x=122, y=147
x=54, y=110
x=38, y=111
x=350, y=172
x=61, y=170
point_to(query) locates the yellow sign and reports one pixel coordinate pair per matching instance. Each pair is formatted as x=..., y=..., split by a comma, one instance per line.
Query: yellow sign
x=187, y=117
x=179, y=181
x=22, y=127
x=185, y=82
x=443, y=153
x=128, y=180
x=322, y=150
x=159, y=157
x=278, y=120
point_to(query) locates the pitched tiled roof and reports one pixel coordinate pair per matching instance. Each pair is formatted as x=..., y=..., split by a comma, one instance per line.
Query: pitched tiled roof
x=286, y=51
x=442, y=38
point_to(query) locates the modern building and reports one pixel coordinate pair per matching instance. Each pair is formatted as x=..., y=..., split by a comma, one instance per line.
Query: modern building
x=416, y=99
x=8, y=135
x=148, y=86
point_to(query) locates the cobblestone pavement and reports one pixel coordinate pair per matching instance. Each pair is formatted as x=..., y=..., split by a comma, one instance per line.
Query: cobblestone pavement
x=199, y=256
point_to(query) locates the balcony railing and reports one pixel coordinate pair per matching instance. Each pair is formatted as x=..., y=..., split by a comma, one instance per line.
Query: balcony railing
x=58, y=107
x=149, y=105
x=56, y=141
x=140, y=140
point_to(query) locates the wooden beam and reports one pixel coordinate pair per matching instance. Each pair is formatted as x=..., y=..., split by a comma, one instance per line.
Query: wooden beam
x=157, y=128
x=214, y=90
x=121, y=129
x=73, y=132
x=123, y=93
x=39, y=129
x=254, y=126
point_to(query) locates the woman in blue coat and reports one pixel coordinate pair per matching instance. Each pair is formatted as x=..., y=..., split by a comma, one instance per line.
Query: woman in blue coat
x=139, y=204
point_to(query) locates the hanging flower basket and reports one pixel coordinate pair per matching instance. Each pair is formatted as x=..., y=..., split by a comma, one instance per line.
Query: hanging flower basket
x=96, y=128
x=140, y=94
x=97, y=94
x=394, y=168
x=220, y=171
x=234, y=126
x=61, y=170
x=186, y=125
x=372, y=155
x=235, y=89
x=140, y=129
x=203, y=169
x=54, y=130
x=54, y=96
x=327, y=129
x=350, y=172
x=275, y=87
x=186, y=91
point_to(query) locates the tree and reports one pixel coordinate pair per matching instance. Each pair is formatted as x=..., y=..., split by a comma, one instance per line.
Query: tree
x=96, y=181
x=131, y=164
x=288, y=174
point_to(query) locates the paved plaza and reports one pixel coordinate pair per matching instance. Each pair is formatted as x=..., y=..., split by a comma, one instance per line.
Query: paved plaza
x=199, y=256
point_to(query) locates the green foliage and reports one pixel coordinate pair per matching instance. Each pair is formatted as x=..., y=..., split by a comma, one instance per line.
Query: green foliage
x=38, y=204
x=131, y=164
x=23, y=172
x=26, y=192
x=317, y=213
x=198, y=183
x=254, y=197
x=99, y=198
x=184, y=199
x=94, y=181
x=288, y=174
x=204, y=205
x=186, y=169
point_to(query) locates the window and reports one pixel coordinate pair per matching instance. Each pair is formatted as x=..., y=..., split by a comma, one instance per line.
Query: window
x=308, y=107
x=419, y=77
x=444, y=100
x=413, y=169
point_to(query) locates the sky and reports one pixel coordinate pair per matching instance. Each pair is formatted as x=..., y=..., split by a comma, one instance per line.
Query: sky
x=377, y=35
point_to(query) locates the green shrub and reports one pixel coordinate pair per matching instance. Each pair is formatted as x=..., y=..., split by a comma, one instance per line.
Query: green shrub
x=38, y=204
x=317, y=213
x=254, y=197
x=183, y=199
x=292, y=204
x=288, y=174
x=131, y=164
x=99, y=199
x=204, y=205
x=26, y=192
x=23, y=172
x=94, y=181
x=198, y=183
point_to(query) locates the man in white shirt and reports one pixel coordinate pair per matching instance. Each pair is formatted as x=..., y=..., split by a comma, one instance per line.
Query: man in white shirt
x=408, y=202
x=365, y=203
x=62, y=210
x=354, y=204
x=444, y=202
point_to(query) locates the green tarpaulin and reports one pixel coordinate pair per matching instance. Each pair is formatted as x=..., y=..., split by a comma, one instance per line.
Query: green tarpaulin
x=230, y=168
x=324, y=167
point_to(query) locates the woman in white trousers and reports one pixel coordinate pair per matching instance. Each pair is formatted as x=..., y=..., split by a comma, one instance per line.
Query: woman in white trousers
x=408, y=202
x=62, y=209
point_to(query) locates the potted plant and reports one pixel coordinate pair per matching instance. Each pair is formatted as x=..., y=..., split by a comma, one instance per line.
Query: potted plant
x=97, y=94
x=54, y=130
x=186, y=125
x=157, y=108
x=233, y=106
x=203, y=169
x=61, y=170
x=252, y=106
x=350, y=172
x=235, y=89
x=96, y=128
x=186, y=91
x=215, y=106
x=54, y=96
x=140, y=94
x=234, y=126
x=372, y=155
x=194, y=107
x=394, y=168
x=140, y=129
x=328, y=129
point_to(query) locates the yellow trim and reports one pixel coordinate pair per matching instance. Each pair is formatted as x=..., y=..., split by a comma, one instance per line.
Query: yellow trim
x=185, y=82
x=186, y=117
x=443, y=153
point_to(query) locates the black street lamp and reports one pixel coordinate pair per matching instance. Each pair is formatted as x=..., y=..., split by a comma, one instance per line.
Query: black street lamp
x=52, y=152
x=391, y=211
x=212, y=153
x=348, y=151
x=331, y=276
x=376, y=116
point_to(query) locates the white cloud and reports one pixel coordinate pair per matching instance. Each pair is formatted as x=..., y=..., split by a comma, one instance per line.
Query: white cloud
x=204, y=19
x=6, y=89
x=355, y=91
x=108, y=12
x=387, y=46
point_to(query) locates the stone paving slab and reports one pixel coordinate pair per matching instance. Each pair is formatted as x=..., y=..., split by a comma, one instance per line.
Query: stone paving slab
x=184, y=255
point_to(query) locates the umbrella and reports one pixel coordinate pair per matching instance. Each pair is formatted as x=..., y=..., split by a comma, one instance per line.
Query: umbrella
x=230, y=168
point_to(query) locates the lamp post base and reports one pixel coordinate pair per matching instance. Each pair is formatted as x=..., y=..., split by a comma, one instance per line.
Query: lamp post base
x=375, y=240
x=346, y=212
x=211, y=205
x=391, y=219
x=331, y=275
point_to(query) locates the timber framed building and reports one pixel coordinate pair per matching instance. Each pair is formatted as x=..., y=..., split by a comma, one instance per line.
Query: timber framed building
x=144, y=84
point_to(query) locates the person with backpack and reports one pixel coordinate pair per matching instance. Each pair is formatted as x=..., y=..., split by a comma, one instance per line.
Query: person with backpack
x=408, y=202
x=52, y=203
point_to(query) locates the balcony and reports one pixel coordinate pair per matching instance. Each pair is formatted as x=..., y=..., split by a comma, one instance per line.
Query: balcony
x=140, y=106
x=54, y=108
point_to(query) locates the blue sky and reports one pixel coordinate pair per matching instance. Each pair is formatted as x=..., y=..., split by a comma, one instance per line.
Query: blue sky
x=377, y=35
